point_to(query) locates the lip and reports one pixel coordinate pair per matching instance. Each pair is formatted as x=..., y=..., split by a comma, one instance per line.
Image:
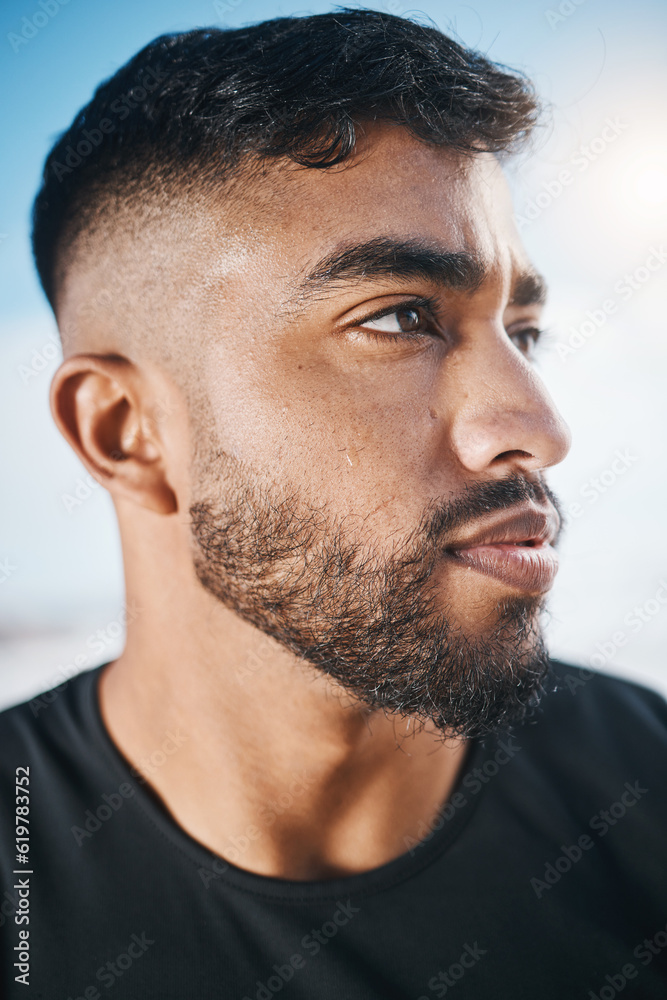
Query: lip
x=517, y=550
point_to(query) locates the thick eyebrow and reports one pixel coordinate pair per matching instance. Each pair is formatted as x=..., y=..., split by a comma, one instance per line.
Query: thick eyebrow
x=384, y=257
x=529, y=289
x=392, y=258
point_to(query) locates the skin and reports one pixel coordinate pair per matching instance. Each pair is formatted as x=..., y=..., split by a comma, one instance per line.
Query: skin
x=296, y=393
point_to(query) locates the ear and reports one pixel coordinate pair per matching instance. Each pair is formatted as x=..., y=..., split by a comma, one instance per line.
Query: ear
x=105, y=407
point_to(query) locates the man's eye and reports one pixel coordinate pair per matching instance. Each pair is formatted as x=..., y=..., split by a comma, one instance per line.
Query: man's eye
x=526, y=340
x=399, y=321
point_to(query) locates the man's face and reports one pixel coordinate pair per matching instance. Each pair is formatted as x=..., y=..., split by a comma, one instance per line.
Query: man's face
x=372, y=418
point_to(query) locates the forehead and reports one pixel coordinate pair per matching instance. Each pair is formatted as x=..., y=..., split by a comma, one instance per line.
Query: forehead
x=392, y=185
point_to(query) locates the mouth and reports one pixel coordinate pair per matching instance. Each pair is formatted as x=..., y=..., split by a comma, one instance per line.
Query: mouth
x=518, y=551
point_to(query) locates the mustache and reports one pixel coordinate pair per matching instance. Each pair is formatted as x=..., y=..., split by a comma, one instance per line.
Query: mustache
x=481, y=499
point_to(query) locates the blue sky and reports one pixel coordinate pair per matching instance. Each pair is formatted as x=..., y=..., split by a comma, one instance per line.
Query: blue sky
x=600, y=65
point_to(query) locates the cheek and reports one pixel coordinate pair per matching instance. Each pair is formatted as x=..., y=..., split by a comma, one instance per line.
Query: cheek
x=361, y=439
x=361, y=454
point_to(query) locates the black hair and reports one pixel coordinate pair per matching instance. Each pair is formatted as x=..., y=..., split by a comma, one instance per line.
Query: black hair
x=191, y=107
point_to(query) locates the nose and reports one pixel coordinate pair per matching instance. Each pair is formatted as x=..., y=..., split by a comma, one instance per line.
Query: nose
x=503, y=419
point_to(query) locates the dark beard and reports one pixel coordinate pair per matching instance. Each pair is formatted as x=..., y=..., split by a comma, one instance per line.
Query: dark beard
x=371, y=623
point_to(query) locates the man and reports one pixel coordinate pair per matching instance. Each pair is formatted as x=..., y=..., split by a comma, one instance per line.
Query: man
x=334, y=759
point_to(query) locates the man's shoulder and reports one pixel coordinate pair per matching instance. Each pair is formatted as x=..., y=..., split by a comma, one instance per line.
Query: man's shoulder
x=576, y=691
x=53, y=721
x=589, y=718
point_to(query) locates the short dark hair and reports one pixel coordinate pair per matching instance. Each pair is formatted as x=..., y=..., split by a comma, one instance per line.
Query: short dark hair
x=196, y=105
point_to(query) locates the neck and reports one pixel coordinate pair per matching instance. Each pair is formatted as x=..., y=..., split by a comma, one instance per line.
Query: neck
x=265, y=760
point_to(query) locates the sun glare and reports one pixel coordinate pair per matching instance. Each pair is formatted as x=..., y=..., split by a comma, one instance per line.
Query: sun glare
x=651, y=186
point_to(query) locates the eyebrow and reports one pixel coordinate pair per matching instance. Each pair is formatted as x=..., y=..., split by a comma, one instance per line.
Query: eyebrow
x=383, y=257
x=529, y=289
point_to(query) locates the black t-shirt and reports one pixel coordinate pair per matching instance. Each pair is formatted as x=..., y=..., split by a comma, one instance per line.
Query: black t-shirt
x=544, y=877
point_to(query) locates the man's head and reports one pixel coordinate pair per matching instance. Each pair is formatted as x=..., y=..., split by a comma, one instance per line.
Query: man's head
x=300, y=232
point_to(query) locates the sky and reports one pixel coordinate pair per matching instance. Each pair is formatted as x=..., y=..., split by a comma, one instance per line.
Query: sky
x=591, y=205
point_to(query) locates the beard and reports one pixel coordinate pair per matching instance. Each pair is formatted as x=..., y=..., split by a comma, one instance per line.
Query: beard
x=375, y=623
